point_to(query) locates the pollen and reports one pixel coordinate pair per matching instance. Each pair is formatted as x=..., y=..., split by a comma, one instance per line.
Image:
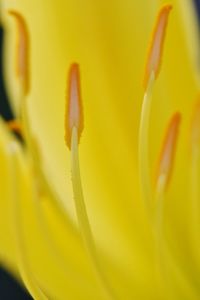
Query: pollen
x=74, y=111
x=154, y=56
x=167, y=154
x=22, y=49
x=195, y=125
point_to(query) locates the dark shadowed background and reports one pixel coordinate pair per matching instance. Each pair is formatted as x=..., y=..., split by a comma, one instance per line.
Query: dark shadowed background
x=9, y=288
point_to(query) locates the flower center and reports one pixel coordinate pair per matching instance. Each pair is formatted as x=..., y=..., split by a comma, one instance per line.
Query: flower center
x=73, y=131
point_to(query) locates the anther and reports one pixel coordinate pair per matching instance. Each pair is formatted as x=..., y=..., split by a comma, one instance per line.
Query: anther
x=74, y=111
x=167, y=154
x=154, y=57
x=22, y=49
x=15, y=126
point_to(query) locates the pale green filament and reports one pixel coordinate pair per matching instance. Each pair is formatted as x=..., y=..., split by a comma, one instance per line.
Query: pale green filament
x=32, y=146
x=59, y=257
x=82, y=216
x=143, y=150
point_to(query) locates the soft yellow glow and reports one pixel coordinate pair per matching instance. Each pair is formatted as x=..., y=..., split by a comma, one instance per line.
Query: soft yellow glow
x=108, y=39
x=82, y=216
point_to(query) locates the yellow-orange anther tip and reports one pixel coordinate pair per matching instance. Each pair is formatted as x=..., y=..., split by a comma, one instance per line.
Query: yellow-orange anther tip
x=22, y=50
x=15, y=126
x=156, y=44
x=74, y=110
x=167, y=154
x=195, y=124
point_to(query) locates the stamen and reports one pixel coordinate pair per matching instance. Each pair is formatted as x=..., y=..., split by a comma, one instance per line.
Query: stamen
x=22, y=70
x=73, y=127
x=74, y=111
x=22, y=48
x=151, y=73
x=22, y=259
x=166, y=160
x=22, y=73
x=164, y=171
x=154, y=57
x=66, y=267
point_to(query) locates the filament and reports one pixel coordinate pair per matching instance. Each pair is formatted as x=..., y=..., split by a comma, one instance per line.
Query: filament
x=143, y=150
x=23, y=125
x=51, y=244
x=82, y=216
x=152, y=69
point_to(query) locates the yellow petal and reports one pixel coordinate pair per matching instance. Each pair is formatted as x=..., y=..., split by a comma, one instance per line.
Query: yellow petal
x=109, y=41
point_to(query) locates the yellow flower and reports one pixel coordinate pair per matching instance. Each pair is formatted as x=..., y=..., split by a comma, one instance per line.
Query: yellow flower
x=134, y=251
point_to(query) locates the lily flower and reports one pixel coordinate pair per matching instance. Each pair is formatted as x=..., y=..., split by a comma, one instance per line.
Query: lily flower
x=101, y=200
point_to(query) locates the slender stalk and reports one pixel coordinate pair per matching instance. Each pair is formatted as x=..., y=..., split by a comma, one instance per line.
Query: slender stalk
x=143, y=150
x=67, y=268
x=82, y=216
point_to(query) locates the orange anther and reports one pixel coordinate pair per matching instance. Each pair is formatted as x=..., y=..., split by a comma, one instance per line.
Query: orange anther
x=15, y=126
x=74, y=110
x=154, y=57
x=167, y=154
x=22, y=50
